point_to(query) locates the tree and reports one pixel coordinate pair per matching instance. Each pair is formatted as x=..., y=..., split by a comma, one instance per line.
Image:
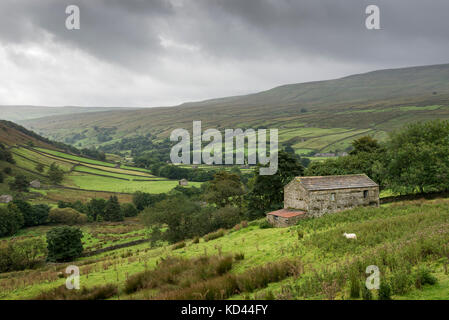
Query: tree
x=66, y=216
x=11, y=220
x=112, y=210
x=417, y=158
x=267, y=192
x=142, y=200
x=96, y=209
x=365, y=144
x=55, y=174
x=224, y=190
x=64, y=244
x=129, y=210
x=40, y=167
x=178, y=214
x=20, y=183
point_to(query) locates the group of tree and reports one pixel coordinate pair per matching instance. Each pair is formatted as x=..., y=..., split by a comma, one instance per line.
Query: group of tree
x=102, y=210
x=5, y=154
x=413, y=159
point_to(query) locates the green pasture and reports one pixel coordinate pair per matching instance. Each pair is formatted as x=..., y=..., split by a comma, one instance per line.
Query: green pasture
x=321, y=248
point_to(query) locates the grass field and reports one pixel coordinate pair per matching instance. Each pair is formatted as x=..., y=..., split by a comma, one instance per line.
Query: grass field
x=97, y=178
x=386, y=236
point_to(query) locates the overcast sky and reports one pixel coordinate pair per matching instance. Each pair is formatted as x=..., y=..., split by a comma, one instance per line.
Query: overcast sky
x=136, y=53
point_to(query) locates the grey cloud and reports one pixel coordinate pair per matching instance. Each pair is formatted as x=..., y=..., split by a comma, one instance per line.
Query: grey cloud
x=245, y=34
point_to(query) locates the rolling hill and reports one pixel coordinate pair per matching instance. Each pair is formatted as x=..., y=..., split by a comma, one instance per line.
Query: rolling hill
x=317, y=116
x=16, y=113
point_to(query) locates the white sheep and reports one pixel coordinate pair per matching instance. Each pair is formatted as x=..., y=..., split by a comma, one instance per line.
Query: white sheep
x=350, y=235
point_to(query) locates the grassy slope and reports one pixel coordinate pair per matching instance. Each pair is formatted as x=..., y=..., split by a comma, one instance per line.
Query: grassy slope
x=375, y=228
x=337, y=111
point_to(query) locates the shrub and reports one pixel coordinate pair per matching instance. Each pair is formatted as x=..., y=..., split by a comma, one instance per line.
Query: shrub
x=214, y=235
x=7, y=170
x=224, y=265
x=265, y=224
x=64, y=244
x=129, y=210
x=401, y=282
x=11, y=220
x=196, y=240
x=67, y=216
x=384, y=291
x=33, y=215
x=94, y=293
x=22, y=255
x=239, y=256
x=20, y=183
x=225, y=217
x=423, y=276
x=366, y=293
x=178, y=245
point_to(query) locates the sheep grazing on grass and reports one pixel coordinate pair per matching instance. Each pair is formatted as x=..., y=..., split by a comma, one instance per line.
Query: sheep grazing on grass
x=350, y=235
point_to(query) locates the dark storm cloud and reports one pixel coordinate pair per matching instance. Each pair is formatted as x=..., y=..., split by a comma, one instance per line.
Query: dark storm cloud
x=182, y=42
x=125, y=31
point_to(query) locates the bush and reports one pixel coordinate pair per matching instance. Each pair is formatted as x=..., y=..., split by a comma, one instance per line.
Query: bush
x=225, y=217
x=239, y=256
x=224, y=265
x=423, y=276
x=384, y=291
x=129, y=210
x=67, y=216
x=11, y=220
x=178, y=245
x=22, y=255
x=366, y=293
x=265, y=224
x=33, y=215
x=94, y=293
x=7, y=170
x=196, y=240
x=401, y=282
x=20, y=183
x=214, y=235
x=64, y=244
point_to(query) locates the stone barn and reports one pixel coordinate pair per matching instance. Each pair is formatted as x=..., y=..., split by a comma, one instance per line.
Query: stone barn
x=328, y=194
x=35, y=184
x=183, y=182
x=315, y=196
x=6, y=198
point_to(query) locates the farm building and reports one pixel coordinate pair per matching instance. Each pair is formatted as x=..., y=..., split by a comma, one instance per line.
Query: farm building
x=285, y=217
x=5, y=198
x=35, y=184
x=183, y=182
x=315, y=196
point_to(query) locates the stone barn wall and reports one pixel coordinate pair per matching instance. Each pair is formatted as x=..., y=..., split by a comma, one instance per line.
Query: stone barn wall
x=295, y=196
x=281, y=222
x=329, y=201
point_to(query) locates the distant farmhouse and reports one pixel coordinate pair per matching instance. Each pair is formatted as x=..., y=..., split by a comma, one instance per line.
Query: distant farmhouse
x=183, y=182
x=315, y=196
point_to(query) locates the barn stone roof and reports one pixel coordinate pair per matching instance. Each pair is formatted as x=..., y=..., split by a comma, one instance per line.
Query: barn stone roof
x=286, y=213
x=336, y=182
